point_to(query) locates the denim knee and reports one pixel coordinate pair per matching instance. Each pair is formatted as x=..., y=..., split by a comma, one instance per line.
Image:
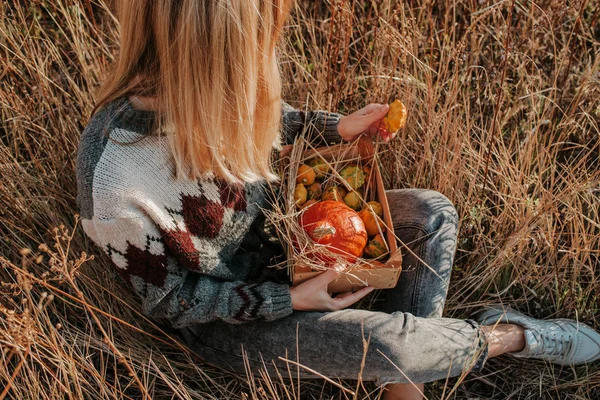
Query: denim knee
x=438, y=211
x=427, y=209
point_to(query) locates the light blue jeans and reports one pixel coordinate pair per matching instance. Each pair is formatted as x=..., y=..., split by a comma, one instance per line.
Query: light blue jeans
x=408, y=339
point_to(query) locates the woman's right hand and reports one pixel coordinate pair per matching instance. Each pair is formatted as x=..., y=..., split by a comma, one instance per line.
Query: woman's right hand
x=312, y=295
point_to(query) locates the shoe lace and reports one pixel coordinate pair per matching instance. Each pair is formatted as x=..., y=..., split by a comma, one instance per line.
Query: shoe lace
x=555, y=344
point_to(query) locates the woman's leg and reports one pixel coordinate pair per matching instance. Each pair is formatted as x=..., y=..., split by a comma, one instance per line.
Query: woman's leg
x=503, y=338
x=426, y=223
x=401, y=347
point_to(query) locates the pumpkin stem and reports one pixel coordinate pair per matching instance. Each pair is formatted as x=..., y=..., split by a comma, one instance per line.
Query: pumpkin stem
x=322, y=231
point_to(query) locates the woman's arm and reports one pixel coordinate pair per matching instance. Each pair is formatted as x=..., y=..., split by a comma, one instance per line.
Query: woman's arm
x=319, y=125
x=196, y=298
x=326, y=128
x=172, y=282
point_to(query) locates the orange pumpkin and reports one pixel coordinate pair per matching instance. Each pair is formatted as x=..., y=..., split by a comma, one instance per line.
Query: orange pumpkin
x=336, y=225
x=306, y=175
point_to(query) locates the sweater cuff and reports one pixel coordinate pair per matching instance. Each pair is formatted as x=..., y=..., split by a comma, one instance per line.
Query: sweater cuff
x=328, y=124
x=280, y=304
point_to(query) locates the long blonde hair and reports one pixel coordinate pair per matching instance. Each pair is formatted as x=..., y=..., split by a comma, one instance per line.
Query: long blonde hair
x=212, y=68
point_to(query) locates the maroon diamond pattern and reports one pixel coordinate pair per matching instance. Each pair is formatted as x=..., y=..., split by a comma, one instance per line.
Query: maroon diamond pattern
x=202, y=217
x=150, y=267
x=232, y=195
x=180, y=244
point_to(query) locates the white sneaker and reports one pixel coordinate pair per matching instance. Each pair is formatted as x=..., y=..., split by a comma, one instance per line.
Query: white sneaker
x=560, y=341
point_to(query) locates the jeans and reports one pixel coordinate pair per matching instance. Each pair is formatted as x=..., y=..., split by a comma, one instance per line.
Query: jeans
x=408, y=340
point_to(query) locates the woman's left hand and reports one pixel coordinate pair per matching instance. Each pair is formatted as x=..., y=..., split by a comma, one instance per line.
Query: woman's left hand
x=366, y=120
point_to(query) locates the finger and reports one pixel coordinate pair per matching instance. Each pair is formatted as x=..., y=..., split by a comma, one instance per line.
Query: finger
x=344, y=294
x=384, y=134
x=348, y=299
x=376, y=128
x=384, y=109
x=378, y=112
x=372, y=130
x=370, y=109
x=327, y=276
x=374, y=111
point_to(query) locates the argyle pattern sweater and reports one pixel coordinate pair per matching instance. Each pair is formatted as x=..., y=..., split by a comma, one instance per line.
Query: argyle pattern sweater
x=194, y=251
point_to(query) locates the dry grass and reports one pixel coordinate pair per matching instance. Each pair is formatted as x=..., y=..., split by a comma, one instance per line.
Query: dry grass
x=504, y=102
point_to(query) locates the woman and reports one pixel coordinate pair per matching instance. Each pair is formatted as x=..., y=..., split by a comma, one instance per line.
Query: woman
x=172, y=175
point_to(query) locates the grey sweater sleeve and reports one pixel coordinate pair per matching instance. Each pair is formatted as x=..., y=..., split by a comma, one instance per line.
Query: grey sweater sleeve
x=170, y=289
x=200, y=298
x=320, y=126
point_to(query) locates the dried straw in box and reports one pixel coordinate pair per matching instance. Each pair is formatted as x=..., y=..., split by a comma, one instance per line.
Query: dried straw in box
x=285, y=214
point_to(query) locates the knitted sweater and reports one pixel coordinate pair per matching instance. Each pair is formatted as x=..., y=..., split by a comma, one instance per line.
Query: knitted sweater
x=194, y=251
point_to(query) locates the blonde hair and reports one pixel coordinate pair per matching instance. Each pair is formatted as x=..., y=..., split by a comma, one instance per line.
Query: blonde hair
x=212, y=68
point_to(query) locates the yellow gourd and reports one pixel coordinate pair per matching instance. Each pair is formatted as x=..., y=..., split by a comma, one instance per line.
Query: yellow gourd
x=353, y=175
x=371, y=221
x=353, y=200
x=375, y=248
x=334, y=193
x=320, y=167
x=300, y=194
x=376, y=207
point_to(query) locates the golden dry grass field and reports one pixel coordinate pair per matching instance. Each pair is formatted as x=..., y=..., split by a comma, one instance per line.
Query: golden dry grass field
x=504, y=119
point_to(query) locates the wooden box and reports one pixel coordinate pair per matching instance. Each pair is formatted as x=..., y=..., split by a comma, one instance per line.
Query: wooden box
x=382, y=274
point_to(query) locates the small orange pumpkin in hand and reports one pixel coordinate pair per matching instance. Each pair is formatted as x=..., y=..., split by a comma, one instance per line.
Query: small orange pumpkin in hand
x=396, y=117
